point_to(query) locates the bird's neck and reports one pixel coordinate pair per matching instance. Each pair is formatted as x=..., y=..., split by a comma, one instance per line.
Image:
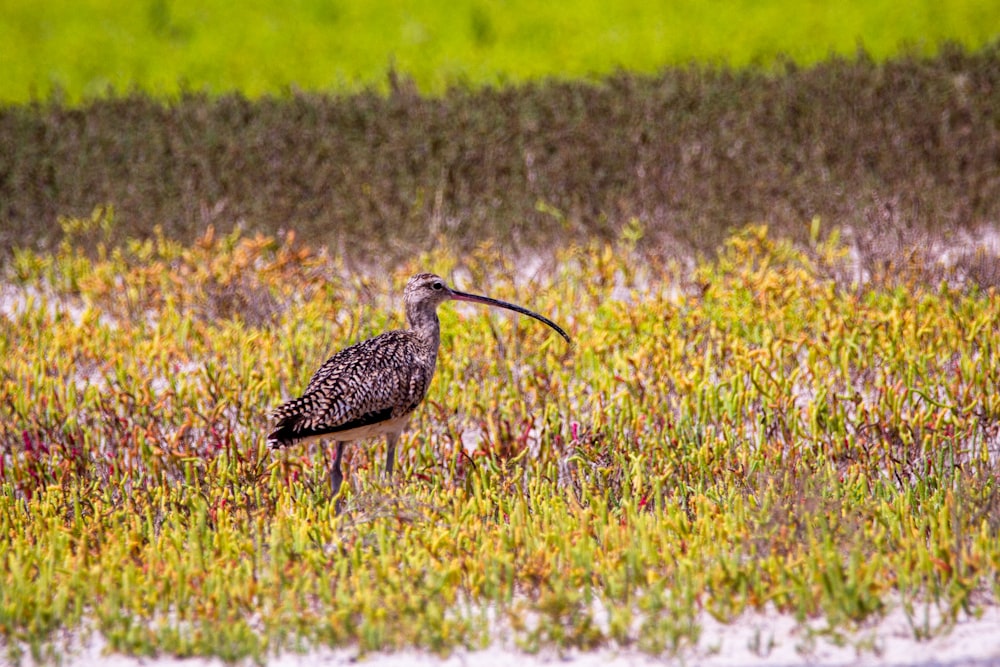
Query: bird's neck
x=425, y=324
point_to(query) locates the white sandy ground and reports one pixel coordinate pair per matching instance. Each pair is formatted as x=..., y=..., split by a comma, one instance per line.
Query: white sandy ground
x=755, y=640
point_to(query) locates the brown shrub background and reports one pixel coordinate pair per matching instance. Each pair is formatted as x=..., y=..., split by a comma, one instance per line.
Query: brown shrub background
x=691, y=153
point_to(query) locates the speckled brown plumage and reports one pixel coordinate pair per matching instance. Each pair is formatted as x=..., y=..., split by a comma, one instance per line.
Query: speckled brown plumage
x=373, y=387
x=372, y=382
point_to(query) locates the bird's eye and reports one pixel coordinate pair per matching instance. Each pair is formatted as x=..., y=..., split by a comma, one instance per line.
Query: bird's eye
x=437, y=285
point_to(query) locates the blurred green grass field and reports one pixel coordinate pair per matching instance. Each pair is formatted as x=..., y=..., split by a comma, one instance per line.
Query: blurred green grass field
x=81, y=50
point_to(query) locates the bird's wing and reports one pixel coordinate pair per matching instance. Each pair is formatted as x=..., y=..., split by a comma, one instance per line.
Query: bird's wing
x=371, y=382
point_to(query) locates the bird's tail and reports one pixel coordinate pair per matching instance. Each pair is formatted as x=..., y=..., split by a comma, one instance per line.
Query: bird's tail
x=287, y=424
x=280, y=437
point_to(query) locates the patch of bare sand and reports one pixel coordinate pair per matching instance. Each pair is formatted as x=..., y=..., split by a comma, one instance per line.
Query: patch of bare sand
x=755, y=640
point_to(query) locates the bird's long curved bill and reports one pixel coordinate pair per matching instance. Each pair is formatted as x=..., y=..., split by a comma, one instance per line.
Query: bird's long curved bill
x=475, y=298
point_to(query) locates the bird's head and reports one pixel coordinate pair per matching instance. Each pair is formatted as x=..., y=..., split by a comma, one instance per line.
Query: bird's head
x=426, y=291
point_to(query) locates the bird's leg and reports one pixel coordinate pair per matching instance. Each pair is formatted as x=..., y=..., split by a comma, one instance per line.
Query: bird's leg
x=336, y=474
x=390, y=455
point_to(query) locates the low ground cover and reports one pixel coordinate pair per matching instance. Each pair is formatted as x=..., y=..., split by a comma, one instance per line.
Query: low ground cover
x=778, y=428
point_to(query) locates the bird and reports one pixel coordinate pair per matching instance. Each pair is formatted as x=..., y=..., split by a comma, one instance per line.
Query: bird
x=373, y=387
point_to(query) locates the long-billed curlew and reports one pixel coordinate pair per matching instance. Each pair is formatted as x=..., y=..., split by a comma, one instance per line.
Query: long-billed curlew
x=373, y=387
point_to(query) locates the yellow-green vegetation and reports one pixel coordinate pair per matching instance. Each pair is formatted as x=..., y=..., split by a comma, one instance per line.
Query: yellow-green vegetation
x=759, y=431
x=162, y=46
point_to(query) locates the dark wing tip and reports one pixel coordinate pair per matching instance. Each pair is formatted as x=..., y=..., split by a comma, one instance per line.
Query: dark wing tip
x=292, y=429
x=283, y=436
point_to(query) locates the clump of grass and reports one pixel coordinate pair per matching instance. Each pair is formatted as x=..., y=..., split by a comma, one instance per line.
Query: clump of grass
x=753, y=433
